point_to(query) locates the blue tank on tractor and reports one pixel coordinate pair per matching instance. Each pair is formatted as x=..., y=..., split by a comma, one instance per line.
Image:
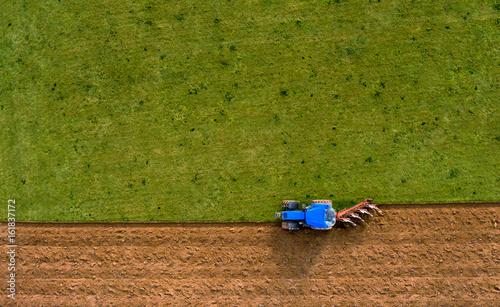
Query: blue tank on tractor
x=321, y=216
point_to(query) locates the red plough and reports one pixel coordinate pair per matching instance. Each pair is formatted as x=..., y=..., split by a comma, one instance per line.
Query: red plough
x=355, y=214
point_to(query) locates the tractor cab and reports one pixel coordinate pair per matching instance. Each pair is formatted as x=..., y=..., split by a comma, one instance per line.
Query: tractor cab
x=320, y=216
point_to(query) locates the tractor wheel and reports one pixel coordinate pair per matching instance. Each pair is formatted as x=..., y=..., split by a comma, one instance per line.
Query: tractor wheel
x=326, y=201
x=293, y=226
x=290, y=204
x=290, y=225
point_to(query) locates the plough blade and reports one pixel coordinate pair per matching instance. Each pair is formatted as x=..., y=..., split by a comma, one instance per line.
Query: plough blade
x=348, y=221
x=364, y=211
x=356, y=216
x=374, y=207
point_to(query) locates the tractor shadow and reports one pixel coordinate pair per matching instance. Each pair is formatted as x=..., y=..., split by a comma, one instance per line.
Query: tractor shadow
x=297, y=252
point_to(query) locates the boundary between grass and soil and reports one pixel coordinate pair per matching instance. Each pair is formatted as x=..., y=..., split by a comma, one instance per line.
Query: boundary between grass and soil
x=228, y=224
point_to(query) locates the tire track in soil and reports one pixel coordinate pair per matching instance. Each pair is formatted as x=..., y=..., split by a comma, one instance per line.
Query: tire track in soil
x=427, y=255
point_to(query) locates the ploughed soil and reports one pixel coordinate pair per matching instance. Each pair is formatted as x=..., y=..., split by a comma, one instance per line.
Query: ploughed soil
x=427, y=255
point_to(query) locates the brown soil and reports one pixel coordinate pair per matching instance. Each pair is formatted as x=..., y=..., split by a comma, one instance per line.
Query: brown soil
x=411, y=256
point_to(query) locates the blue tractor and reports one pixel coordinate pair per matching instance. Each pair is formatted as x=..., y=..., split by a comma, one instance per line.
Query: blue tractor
x=320, y=215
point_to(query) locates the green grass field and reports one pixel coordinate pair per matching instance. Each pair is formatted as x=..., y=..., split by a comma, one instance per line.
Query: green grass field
x=192, y=111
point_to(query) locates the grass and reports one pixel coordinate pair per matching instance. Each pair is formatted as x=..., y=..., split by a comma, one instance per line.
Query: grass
x=217, y=111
